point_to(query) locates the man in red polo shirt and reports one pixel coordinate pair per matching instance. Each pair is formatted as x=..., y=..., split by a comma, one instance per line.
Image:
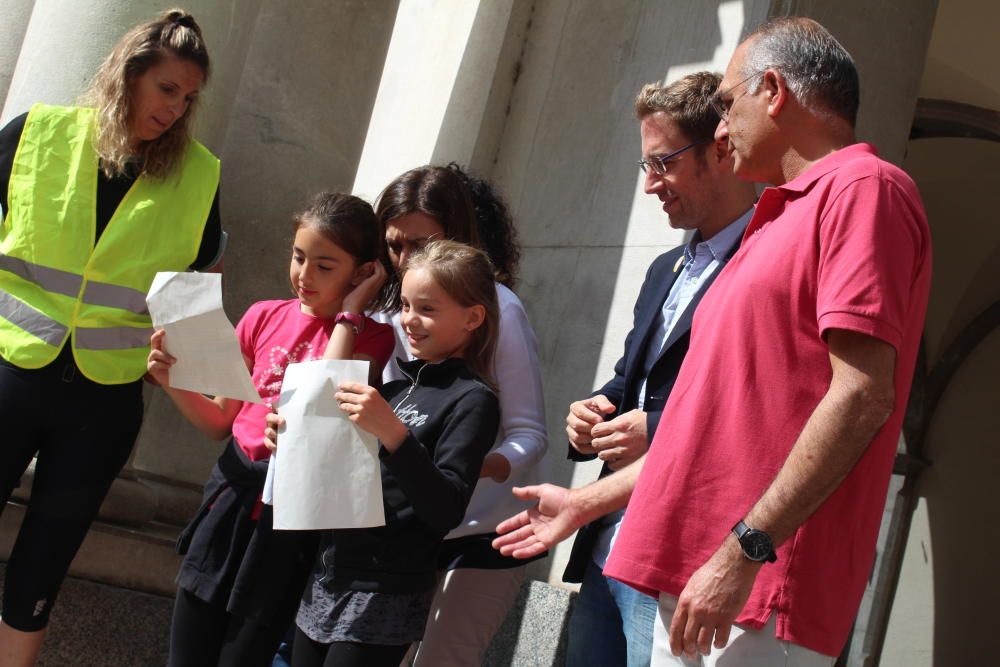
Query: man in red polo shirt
x=754, y=517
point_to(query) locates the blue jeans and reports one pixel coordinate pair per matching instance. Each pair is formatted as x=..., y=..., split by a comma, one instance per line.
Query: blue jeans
x=611, y=624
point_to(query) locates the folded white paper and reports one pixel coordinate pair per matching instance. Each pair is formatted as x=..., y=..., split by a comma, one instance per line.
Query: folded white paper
x=329, y=476
x=188, y=306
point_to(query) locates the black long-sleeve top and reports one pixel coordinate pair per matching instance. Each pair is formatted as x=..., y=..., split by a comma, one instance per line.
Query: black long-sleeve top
x=426, y=483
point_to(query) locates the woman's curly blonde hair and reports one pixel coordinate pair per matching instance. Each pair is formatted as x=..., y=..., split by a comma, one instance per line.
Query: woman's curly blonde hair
x=172, y=32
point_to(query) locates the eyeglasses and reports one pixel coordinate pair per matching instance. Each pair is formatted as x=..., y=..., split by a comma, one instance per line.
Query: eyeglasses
x=659, y=163
x=721, y=106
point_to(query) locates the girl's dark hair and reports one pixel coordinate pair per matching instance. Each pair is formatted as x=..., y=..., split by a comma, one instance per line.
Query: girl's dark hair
x=348, y=222
x=434, y=191
x=466, y=274
x=497, y=234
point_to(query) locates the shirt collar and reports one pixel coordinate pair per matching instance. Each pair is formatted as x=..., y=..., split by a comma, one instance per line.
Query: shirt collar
x=722, y=243
x=432, y=371
x=834, y=160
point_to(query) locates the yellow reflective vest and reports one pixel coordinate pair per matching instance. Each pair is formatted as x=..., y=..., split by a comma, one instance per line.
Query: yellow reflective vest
x=56, y=284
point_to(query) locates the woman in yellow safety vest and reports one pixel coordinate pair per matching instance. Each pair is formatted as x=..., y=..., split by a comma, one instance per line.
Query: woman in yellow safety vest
x=95, y=201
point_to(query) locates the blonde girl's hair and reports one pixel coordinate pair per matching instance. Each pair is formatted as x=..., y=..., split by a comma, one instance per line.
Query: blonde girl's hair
x=172, y=32
x=466, y=274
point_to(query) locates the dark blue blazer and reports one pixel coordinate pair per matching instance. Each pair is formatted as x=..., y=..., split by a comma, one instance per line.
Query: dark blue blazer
x=623, y=389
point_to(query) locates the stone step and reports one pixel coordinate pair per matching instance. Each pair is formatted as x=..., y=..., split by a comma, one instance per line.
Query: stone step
x=97, y=625
x=534, y=632
x=140, y=559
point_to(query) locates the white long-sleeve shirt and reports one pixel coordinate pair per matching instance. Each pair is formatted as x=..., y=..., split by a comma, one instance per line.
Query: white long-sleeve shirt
x=522, y=439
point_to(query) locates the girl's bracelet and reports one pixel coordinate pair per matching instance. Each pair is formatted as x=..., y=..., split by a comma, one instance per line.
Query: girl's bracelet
x=356, y=321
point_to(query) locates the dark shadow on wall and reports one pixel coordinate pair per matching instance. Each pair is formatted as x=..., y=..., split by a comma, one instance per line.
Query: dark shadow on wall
x=960, y=498
x=957, y=489
x=957, y=414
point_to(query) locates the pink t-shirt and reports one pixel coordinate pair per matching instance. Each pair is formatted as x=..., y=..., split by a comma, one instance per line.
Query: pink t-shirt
x=846, y=246
x=274, y=334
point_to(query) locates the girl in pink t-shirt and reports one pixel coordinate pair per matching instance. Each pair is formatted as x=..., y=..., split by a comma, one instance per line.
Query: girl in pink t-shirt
x=240, y=582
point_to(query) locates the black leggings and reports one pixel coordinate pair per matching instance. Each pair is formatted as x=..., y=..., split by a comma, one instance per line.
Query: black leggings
x=309, y=653
x=83, y=433
x=206, y=634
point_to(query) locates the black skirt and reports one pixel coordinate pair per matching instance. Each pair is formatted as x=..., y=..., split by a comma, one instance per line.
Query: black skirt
x=236, y=561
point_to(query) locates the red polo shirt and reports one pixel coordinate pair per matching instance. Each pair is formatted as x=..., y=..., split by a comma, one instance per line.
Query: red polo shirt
x=843, y=246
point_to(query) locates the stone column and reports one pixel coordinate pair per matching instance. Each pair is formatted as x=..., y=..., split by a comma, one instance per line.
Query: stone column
x=14, y=15
x=446, y=80
x=297, y=127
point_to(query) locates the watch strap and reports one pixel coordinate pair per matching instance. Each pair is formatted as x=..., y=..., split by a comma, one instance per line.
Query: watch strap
x=356, y=321
x=740, y=530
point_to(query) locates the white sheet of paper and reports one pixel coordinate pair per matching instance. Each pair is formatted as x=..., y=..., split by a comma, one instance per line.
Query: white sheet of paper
x=188, y=306
x=329, y=476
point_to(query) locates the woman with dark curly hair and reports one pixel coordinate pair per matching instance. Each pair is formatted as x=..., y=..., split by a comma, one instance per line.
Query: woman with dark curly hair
x=96, y=200
x=495, y=227
x=476, y=585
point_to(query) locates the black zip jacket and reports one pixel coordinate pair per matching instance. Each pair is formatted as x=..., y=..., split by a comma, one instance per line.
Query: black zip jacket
x=426, y=484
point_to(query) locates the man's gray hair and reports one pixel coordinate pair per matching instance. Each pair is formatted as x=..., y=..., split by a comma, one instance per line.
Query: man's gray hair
x=817, y=68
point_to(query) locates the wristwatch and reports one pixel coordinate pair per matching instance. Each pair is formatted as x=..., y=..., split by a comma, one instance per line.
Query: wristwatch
x=756, y=544
x=356, y=321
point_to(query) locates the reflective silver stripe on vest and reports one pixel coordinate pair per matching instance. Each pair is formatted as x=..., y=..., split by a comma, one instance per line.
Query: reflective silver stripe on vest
x=115, y=296
x=112, y=338
x=27, y=318
x=56, y=281
x=51, y=280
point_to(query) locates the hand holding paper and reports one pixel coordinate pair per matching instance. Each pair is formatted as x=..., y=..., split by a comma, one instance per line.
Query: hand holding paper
x=329, y=474
x=274, y=422
x=159, y=362
x=369, y=411
x=188, y=307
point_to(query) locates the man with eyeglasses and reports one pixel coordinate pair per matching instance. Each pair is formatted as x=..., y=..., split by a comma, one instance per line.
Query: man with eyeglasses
x=691, y=174
x=755, y=516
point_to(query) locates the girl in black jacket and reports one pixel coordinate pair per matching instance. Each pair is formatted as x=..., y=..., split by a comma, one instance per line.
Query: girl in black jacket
x=372, y=588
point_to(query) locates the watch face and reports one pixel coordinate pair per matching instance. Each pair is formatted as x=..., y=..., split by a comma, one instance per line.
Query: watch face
x=756, y=545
